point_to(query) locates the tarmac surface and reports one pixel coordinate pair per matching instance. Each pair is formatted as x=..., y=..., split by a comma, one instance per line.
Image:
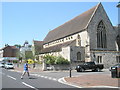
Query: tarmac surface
x=87, y=81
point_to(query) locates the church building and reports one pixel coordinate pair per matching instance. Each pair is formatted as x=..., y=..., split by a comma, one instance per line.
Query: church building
x=87, y=37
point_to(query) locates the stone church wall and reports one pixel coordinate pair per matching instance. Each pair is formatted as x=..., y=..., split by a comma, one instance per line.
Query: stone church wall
x=108, y=58
x=99, y=15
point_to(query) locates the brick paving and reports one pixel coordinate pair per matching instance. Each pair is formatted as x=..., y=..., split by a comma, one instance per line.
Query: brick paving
x=94, y=80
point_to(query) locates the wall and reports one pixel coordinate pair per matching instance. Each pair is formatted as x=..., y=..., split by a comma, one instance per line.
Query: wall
x=99, y=15
x=108, y=57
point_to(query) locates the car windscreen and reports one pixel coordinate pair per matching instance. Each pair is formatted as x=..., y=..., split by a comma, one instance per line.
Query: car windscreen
x=9, y=64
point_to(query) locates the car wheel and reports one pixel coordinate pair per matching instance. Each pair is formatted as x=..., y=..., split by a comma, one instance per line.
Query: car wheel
x=98, y=69
x=82, y=70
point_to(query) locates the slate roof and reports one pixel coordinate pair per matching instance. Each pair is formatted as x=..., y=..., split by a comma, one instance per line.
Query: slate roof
x=75, y=25
x=57, y=48
x=38, y=42
x=12, y=47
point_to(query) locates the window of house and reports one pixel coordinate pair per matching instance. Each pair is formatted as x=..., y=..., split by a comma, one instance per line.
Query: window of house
x=99, y=59
x=118, y=59
x=79, y=56
x=101, y=35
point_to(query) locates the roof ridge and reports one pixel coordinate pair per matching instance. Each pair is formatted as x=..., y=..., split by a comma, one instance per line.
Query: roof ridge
x=73, y=18
x=76, y=24
x=93, y=13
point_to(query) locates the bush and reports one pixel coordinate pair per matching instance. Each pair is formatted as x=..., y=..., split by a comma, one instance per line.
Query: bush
x=55, y=60
x=61, y=60
x=49, y=59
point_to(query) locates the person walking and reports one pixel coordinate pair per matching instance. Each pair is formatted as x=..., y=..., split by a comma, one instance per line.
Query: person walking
x=25, y=70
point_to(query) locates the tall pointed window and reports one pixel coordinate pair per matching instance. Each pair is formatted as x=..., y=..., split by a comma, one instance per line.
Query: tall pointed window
x=101, y=36
x=78, y=56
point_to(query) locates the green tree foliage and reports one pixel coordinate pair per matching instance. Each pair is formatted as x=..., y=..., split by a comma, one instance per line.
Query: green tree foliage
x=29, y=55
x=49, y=59
x=55, y=60
x=61, y=60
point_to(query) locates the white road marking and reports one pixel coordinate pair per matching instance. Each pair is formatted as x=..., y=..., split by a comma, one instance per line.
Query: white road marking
x=45, y=77
x=50, y=78
x=42, y=76
x=54, y=79
x=29, y=85
x=62, y=80
x=11, y=77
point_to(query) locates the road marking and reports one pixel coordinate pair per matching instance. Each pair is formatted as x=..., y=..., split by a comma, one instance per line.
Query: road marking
x=42, y=76
x=50, y=78
x=29, y=85
x=54, y=79
x=63, y=81
x=11, y=77
x=45, y=77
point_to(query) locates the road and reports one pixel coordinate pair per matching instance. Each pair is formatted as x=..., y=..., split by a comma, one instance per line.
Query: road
x=12, y=79
x=38, y=80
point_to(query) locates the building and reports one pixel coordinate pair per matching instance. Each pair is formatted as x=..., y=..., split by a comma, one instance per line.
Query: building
x=37, y=46
x=8, y=53
x=26, y=51
x=87, y=37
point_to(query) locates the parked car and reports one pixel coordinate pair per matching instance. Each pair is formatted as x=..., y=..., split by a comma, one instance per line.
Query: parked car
x=2, y=65
x=89, y=66
x=9, y=66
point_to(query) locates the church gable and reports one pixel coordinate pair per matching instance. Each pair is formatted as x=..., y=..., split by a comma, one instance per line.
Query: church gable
x=100, y=16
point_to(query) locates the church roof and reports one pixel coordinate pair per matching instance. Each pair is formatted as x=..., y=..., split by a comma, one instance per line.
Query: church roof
x=75, y=25
x=57, y=48
x=37, y=42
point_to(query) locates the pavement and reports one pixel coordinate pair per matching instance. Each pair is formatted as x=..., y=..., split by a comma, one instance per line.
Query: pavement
x=86, y=80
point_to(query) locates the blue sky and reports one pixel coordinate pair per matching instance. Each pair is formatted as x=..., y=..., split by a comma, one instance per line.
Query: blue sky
x=33, y=20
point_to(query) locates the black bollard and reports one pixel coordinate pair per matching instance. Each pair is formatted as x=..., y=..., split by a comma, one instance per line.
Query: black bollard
x=70, y=72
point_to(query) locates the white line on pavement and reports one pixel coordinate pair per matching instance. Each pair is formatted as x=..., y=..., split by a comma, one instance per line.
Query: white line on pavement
x=45, y=77
x=54, y=79
x=62, y=80
x=29, y=85
x=11, y=77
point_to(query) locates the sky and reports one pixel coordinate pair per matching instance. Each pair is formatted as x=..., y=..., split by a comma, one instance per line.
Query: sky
x=30, y=21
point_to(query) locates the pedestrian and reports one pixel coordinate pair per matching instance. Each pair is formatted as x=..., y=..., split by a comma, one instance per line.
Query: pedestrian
x=25, y=70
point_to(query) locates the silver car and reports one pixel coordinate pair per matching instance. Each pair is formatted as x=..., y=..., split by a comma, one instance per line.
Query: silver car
x=9, y=66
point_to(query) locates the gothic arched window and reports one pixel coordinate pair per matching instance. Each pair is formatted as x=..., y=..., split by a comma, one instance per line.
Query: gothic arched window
x=101, y=35
x=78, y=56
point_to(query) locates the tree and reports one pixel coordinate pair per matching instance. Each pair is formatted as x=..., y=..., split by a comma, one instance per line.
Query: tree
x=18, y=46
x=55, y=60
x=29, y=55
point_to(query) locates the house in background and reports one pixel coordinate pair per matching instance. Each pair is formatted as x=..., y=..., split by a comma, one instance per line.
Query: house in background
x=26, y=51
x=87, y=37
x=9, y=53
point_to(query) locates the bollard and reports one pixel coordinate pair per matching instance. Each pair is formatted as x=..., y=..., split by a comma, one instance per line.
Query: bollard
x=70, y=72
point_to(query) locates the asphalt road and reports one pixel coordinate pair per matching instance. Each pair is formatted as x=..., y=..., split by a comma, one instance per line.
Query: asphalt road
x=12, y=79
